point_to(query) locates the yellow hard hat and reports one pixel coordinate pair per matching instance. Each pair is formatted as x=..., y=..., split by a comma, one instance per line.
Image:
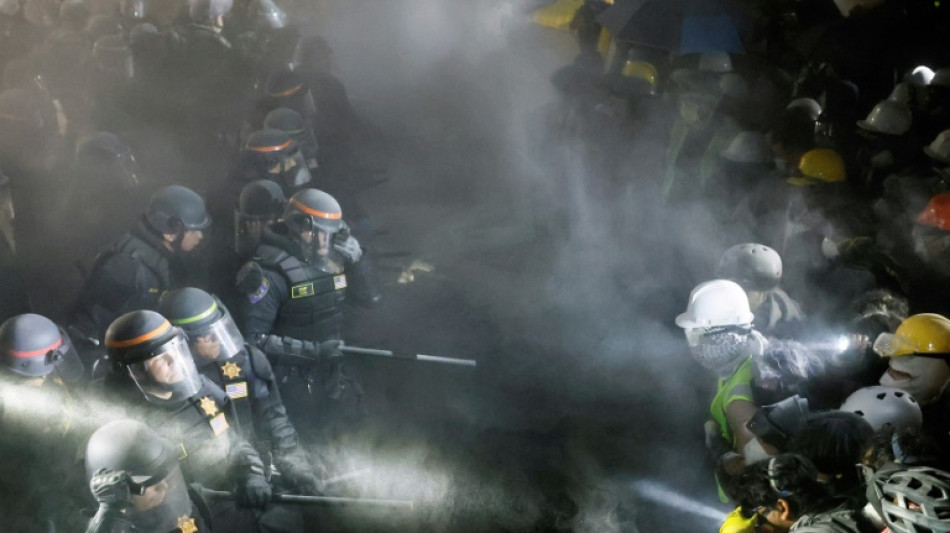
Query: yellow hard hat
x=922, y=334
x=736, y=523
x=821, y=165
x=639, y=69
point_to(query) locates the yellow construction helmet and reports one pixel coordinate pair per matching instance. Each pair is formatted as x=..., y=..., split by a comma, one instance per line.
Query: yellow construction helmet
x=737, y=523
x=640, y=69
x=821, y=165
x=926, y=334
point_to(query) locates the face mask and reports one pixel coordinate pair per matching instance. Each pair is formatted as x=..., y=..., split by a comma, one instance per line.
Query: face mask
x=928, y=377
x=723, y=351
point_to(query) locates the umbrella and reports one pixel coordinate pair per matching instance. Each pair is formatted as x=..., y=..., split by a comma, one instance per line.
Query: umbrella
x=679, y=26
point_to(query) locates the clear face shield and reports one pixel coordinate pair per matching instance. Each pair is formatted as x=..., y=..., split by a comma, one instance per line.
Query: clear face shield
x=308, y=146
x=316, y=243
x=160, y=502
x=218, y=341
x=291, y=170
x=128, y=171
x=168, y=376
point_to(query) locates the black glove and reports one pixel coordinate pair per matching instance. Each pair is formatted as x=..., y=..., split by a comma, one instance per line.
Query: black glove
x=254, y=491
x=330, y=350
x=300, y=473
x=111, y=487
x=346, y=245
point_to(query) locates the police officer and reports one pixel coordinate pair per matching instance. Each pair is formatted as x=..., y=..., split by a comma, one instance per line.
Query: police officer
x=273, y=154
x=39, y=441
x=245, y=375
x=305, y=269
x=145, y=262
x=293, y=124
x=135, y=476
x=153, y=369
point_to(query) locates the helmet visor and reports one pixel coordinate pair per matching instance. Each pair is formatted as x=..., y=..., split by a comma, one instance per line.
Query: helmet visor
x=160, y=502
x=169, y=375
x=217, y=341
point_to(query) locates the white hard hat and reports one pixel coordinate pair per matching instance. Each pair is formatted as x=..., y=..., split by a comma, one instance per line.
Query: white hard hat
x=901, y=94
x=749, y=147
x=887, y=117
x=921, y=76
x=810, y=105
x=718, y=62
x=939, y=149
x=716, y=303
x=883, y=406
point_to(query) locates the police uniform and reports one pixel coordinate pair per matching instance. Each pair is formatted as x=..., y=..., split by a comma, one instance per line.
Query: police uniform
x=131, y=276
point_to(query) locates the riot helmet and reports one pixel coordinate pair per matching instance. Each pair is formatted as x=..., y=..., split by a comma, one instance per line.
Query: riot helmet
x=293, y=124
x=177, y=210
x=155, y=354
x=260, y=203
x=73, y=15
x=206, y=322
x=274, y=154
x=103, y=155
x=130, y=448
x=134, y=11
x=32, y=346
x=314, y=217
x=209, y=12
x=113, y=57
x=269, y=16
x=285, y=88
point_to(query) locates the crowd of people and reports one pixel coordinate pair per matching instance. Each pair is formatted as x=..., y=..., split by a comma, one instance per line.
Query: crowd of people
x=821, y=150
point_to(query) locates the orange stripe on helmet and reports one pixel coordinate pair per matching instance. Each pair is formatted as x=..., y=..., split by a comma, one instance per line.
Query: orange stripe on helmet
x=270, y=148
x=288, y=92
x=165, y=326
x=314, y=212
x=34, y=353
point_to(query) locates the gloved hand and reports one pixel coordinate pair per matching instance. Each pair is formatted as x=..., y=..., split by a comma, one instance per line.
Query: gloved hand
x=254, y=491
x=298, y=471
x=715, y=444
x=346, y=245
x=330, y=350
x=111, y=487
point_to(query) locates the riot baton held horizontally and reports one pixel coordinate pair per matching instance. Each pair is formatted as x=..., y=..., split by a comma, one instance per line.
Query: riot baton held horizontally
x=300, y=499
x=407, y=356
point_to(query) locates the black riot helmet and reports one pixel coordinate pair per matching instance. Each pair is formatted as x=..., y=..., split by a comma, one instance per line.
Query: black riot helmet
x=32, y=346
x=312, y=209
x=176, y=209
x=103, y=155
x=160, y=499
x=313, y=217
x=268, y=16
x=285, y=88
x=261, y=202
x=274, y=154
x=113, y=57
x=293, y=124
x=73, y=15
x=209, y=12
x=155, y=354
x=134, y=11
x=206, y=322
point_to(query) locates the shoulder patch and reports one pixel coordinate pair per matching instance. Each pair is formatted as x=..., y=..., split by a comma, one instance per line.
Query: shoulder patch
x=261, y=291
x=302, y=291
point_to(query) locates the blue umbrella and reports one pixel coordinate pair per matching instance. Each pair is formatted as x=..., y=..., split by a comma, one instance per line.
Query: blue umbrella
x=679, y=26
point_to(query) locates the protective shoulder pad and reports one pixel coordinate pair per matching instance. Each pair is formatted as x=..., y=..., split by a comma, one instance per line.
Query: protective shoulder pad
x=270, y=256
